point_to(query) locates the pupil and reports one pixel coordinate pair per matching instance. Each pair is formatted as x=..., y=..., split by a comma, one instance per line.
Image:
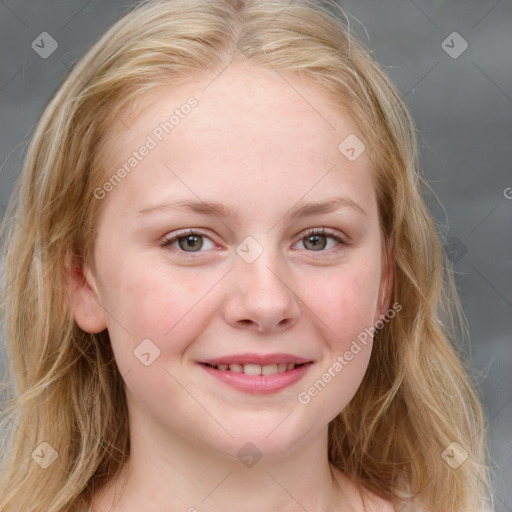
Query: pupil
x=316, y=243
x=190, y=242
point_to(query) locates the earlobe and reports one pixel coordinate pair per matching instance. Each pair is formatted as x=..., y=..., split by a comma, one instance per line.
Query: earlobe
x=84, y=300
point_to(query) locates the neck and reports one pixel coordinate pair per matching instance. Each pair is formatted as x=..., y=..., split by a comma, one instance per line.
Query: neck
x=165, y=474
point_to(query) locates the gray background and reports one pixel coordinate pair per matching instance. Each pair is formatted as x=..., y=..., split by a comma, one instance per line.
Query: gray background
x=463, y=110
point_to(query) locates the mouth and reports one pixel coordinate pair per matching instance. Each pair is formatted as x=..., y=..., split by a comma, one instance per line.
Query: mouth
x=255, y=369
x=255, y=374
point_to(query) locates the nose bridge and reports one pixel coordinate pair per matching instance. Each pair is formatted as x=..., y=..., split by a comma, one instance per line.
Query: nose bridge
x=263, y=274
x=264, y=262
x=263, y=294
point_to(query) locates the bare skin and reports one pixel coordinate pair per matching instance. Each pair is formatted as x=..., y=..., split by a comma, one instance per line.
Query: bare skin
x=257, y=146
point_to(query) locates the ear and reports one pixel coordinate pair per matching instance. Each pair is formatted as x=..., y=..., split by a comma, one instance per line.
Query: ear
x=84, y=299
x=386, y=282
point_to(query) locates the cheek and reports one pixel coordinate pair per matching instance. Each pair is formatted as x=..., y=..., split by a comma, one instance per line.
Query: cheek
x=157, y=317
x=148, y=302
x=345, y=305
x=347, y=301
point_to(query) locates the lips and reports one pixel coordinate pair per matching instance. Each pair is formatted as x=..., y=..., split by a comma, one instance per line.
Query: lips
x=261, y=359
x=256, y=373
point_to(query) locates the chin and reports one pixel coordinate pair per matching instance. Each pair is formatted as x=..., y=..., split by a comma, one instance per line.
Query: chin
x=270, y=439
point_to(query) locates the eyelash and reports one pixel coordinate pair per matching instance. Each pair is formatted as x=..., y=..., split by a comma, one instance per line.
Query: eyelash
x=168, y=241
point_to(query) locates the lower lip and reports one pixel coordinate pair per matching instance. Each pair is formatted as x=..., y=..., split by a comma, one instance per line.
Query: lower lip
x=259, y=383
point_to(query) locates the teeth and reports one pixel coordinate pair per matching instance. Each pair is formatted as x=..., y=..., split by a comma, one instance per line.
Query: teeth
x=256, y=369
x=252, y=369
x=269, y=369
x=235, y=367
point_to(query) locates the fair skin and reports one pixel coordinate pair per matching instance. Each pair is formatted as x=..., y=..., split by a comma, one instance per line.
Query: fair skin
x=256, y=146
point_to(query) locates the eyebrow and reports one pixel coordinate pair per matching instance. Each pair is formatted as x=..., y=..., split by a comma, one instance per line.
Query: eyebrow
x=220, y=210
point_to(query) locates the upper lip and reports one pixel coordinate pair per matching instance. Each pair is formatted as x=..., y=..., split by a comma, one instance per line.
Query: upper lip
x=261, y=359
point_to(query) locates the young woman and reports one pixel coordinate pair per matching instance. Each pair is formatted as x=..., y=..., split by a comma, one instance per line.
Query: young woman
x=223, y=288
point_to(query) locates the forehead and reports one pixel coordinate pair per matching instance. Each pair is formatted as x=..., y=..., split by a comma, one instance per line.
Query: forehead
x=248, y=128
x=285, y=104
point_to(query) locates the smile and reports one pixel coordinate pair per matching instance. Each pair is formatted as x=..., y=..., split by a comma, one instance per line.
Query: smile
x=257, y=374
x=255, y=369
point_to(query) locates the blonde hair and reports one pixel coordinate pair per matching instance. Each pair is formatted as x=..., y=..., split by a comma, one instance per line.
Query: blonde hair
x=417, y=396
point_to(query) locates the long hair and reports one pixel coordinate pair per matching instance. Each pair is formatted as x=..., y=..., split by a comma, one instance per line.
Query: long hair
x=417, y=404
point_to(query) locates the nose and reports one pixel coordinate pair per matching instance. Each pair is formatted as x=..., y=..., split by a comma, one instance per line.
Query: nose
x=262, y=296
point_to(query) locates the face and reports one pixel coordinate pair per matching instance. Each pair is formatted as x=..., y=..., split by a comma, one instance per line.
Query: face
x=236, y=262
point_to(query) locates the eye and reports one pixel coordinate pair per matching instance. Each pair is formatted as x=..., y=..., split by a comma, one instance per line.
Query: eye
x=187, y=241
x=191, y=241
x=316, y=239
